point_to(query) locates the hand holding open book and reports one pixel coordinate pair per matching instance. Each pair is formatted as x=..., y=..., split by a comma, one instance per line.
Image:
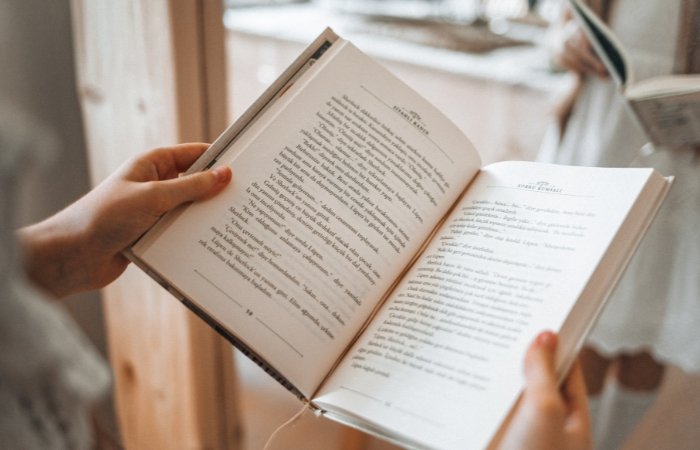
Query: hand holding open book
x=548, y=415
x=367, y=260
x=667, y=107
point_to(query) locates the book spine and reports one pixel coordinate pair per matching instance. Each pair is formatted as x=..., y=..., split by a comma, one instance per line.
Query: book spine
x=220, y=329
x=272, y=93
x=250, y=354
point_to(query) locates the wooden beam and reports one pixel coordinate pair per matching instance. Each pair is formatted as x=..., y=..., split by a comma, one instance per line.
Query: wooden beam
x=151, y=73
x=200, y=61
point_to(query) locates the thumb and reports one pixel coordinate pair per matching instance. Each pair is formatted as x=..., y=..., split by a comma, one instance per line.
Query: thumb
x=539, y=363
x=196, y=186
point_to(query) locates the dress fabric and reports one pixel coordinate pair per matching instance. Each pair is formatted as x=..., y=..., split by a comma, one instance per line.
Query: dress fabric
x=656, y=306
x=49, y=372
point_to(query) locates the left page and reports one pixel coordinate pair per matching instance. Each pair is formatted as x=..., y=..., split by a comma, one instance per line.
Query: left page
x=335, y=188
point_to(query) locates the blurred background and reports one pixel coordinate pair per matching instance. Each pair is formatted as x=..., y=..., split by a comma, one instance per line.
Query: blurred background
x=481, y=62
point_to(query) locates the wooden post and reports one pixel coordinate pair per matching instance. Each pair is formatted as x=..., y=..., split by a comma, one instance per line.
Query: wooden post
x=151, y=73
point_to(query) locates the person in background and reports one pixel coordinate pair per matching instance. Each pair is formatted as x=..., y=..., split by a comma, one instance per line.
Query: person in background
x=45, y=400
x=651, y=319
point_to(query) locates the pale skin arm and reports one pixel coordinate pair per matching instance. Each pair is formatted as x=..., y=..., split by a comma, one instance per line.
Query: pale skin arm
x=548, y=416
x=80, y=248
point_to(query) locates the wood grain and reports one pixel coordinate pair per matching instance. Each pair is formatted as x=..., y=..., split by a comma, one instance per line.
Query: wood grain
x=150, y=73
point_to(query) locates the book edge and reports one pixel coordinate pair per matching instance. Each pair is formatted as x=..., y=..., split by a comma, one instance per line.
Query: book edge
x=218, y=327
x=564, y=362
x=312, y=52
x=592, y=25
x=324, y=41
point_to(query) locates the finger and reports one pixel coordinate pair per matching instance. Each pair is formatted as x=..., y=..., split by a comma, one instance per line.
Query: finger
x=572, y=63
x=171, y=161
x=577, y=424
x=574, y=389
x=186, y=154
x=594, y=64
x=196, y=186
x=539, y=363
x=590, y=57
x=579, y=53
x=574, y=57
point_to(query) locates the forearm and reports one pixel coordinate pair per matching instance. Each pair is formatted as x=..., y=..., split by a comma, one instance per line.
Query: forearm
x=80, y=248
x=52, y=252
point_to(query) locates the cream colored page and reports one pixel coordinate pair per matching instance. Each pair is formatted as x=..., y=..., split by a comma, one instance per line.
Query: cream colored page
x=330, y=199
x=441, y=363
x=672, y=121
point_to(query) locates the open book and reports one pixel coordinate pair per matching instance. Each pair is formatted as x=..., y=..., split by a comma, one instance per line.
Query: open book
x=367, y=261
x=667, y=107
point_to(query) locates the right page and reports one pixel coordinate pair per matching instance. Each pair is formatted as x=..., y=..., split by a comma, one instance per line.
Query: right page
x=671, y=120
x=440, y=366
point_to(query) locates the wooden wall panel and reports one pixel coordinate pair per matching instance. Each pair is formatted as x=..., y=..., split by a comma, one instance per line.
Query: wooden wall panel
x=151, y=73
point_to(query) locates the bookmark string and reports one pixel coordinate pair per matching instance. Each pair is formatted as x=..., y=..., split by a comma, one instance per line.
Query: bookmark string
x=288, y=424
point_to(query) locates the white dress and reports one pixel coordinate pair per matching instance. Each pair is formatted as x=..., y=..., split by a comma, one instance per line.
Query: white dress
x=49, y=372
x=656, y=307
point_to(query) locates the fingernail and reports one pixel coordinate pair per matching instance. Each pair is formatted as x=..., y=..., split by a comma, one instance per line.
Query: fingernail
x=221, y=174
x=547, y=339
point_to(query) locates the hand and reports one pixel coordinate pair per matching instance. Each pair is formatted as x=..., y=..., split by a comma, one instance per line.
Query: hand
x=574, y=52
x=80, y=248
x=548, y=417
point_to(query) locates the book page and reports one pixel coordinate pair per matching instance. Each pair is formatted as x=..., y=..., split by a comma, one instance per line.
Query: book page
x=441, y=363
x=670, y=120
x=667, y=85
x=605, y=42
x=334, y=190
